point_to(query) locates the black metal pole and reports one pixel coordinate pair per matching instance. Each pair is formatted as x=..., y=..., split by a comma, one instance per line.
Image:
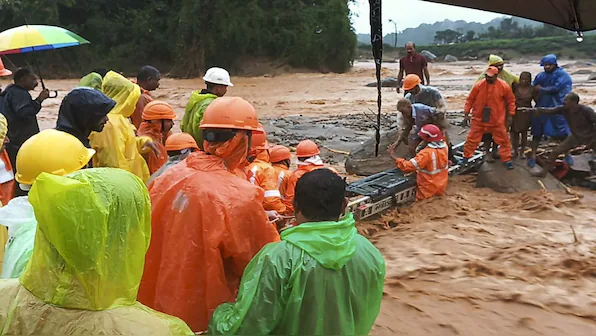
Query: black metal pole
x=376, y=39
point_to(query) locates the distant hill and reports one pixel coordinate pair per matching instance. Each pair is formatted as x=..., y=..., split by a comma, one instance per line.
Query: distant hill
x=425, y=33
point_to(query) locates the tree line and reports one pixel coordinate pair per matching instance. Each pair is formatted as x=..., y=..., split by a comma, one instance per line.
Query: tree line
x=507, y=29
x=187, y=36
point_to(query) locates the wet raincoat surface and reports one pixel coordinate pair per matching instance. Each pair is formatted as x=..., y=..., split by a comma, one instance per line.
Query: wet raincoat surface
x=172, y=160
x=505, y=75
x=554, y=87
x=92, y=80
x=153, y=131
x=85, y=281
x=262, y=174
x=19, y=217
x=207, y=225
x=432, y=167
x=283, y=176
x=117, y=145
x=193, y=114
x=322, y=279
x=7, y=181
x=81, y=110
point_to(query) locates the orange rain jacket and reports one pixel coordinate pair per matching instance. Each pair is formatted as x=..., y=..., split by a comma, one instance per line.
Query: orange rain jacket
x=262, y=174
x=282, y=175
x=153, y=130
x=207, y=224
x=7, y=181
x=432, y=164
x=494, y=96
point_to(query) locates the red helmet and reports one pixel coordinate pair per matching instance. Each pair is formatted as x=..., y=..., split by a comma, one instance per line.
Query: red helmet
x=430, y=133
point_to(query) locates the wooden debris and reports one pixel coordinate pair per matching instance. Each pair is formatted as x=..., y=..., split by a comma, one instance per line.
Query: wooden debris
x=542, y=186
x=462, y=132
x=575, y=240
x=573, y=199
x=336, y=151
x=571, y=192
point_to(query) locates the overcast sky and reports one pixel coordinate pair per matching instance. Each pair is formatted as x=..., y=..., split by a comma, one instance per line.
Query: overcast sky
x=411, y=13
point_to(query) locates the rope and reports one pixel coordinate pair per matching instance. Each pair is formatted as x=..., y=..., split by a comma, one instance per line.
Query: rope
x=376, y=39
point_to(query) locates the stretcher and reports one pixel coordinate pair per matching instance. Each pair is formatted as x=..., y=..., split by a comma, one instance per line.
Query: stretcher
x=377, y=193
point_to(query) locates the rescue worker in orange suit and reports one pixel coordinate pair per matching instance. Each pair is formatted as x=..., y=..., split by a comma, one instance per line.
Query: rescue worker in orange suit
x=307, y=153
x=280, y=157
x=7, y=182
x=431, y=163
x=261, y=173
x=158, y=120
x=207, y=223
x=492, y=105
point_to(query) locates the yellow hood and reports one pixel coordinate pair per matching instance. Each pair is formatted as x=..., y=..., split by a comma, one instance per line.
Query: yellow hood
x=495, y=60
x=124, y=92
x=94, y=230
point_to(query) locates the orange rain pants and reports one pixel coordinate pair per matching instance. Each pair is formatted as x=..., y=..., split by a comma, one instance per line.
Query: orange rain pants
x=262, y=174
x=432, y=165
x=207, y=224
x=499, y=98
x=153, y=130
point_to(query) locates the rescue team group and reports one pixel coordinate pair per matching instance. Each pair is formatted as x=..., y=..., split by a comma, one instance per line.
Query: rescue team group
x=499, y=103
x=171, y=233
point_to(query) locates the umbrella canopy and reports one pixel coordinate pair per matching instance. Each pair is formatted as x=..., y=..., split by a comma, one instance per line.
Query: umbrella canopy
x=574, y=15
x=31, y=38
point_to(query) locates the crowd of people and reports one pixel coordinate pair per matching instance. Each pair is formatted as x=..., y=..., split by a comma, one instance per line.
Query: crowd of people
x=500, y=110
x=113, y=217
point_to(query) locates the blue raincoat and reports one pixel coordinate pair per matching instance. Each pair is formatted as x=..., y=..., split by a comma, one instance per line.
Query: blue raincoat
x=554, y=87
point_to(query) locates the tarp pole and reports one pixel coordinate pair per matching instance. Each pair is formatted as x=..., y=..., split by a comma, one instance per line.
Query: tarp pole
x=376, y=39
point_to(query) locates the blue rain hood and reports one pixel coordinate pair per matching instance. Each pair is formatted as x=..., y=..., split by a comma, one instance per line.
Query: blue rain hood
x=549, y=59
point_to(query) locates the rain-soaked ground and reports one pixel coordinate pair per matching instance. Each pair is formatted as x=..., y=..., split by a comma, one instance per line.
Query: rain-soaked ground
x=472, y=263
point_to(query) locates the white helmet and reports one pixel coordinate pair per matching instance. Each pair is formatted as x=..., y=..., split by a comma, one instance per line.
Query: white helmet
x=218, y=76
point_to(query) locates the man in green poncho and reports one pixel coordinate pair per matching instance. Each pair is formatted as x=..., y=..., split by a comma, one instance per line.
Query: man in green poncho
x=217, y=81
x=323, y=278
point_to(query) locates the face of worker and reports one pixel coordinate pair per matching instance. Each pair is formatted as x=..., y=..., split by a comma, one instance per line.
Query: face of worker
x=500, y=67
x=549, y=68
x=29, y=82
x=570, y=103
x=525, y=80
x=220, y=90
x=415, y=90
x=152, y=84
x=167, y=126
x=102, y=123
x=406, y=111
x=410, y=49
x=490, y=80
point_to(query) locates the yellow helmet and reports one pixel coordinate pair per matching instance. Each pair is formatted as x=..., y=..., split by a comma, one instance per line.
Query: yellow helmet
x=53, y=152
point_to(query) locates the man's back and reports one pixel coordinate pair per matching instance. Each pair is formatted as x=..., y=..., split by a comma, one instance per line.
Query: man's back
x=322, y=279
x=207, y=224
x=19, y=109
x=429, y=96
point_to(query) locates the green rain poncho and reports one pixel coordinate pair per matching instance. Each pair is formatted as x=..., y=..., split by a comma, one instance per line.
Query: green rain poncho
x=94, y=230
x=193, y=114
x=92, y=80
x=322, y=279
x=504, y=74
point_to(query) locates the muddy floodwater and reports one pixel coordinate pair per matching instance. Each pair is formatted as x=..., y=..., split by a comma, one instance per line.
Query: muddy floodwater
x=472, y=263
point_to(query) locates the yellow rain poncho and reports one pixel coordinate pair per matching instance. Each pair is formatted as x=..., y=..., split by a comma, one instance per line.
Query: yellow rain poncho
x=92, y=80
x=505, y=75
x=84, y=274
x=117, y=145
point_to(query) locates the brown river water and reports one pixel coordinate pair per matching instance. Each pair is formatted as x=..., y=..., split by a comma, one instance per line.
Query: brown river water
x=474, y=262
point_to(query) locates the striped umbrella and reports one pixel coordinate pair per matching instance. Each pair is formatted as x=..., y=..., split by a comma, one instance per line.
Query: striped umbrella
x=30, y=38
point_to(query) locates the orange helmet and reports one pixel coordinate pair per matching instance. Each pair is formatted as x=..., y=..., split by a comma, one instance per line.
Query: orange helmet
x=411, y=81
x=259, y=140
x=279, y=153
x=3, y=70
x=232, y=113
x=180, y=141
x=158, y=110
x=430, y=133
x=307, y=148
